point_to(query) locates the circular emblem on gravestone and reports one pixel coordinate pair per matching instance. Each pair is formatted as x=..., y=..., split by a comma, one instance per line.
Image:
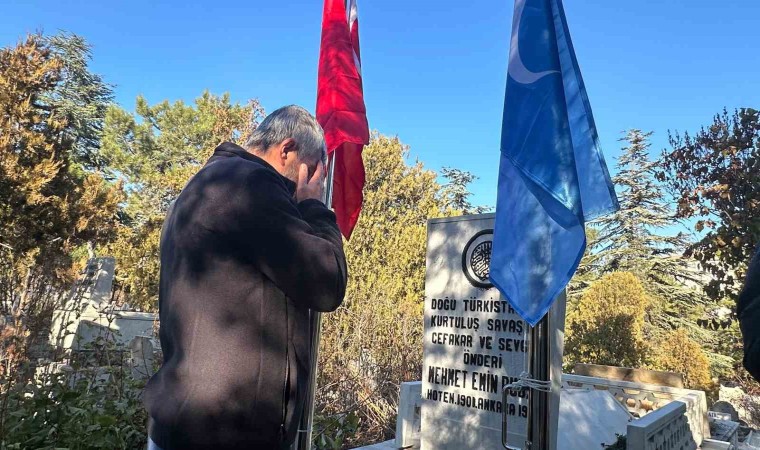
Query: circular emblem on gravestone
x=476, y=259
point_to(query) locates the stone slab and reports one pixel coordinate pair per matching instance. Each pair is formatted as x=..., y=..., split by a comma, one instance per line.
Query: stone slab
x=387, y=445
x=588, y=419
x=633, y=375
x=667, y=428
x=642, y=399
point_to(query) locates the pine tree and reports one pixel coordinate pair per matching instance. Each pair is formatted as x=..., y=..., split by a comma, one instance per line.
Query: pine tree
x=456, y=193
x=635, y=239
x=630, y=239
x=81, y=97
x=48, y=207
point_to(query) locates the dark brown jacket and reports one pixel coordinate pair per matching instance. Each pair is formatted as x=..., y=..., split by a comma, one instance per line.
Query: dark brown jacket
x=241, y=265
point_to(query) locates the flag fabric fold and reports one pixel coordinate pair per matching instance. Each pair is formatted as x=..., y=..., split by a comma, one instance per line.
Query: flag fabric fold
x=552, y=174
x=340, y=108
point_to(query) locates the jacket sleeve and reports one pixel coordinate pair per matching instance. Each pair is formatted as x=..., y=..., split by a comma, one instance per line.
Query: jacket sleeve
x=748, y=310
x=297, y=246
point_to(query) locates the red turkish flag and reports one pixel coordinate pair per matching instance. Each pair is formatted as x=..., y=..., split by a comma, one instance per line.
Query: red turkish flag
x=340, y=108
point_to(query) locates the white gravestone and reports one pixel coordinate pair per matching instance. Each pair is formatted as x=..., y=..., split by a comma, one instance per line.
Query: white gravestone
x=474, y=344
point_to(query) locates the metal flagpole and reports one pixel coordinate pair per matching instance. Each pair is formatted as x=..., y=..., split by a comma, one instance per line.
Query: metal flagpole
x=538, y=423
x=307, y=420
x=539, y=352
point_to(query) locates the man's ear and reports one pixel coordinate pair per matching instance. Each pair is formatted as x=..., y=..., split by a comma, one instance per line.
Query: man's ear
x=286, y=147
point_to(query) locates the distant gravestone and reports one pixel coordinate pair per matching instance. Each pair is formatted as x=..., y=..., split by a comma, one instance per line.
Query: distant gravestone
x=474, y=344
x=89, y=315
x=726, y=410
x=89, y=293
x=141, y=350
x=102, y=280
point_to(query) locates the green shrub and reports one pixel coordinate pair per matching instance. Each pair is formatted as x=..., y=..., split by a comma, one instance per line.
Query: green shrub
x=332, y=432
x=88, y=407
x=606, y=326
x=679, y=353
x=620, y=444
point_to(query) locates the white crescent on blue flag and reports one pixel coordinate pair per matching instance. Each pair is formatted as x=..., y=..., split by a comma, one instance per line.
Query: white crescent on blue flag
x=552, y=174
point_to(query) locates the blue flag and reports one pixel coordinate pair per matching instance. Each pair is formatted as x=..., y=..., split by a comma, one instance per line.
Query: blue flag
x=552, y=174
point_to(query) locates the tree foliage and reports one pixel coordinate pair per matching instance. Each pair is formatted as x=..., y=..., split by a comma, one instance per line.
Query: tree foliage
x=155, y=152
x=52, y=206
x=81, y=97
x=635, y=238
x=49, y=206
x=677, y=352
x=715, y=178
x=607, y=325
x=455, y=192
x=631, y=239
x=586, y=274
x=638, y=239
x=32, y=165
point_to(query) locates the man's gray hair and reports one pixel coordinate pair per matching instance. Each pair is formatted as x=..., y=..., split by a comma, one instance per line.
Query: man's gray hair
x=290, y=122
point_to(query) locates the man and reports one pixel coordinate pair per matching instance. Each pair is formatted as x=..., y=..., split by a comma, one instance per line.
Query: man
x=748, y=310
x=247, y=249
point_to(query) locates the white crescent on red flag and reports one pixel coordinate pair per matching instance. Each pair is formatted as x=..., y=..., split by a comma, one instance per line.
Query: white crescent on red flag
x=340, y=108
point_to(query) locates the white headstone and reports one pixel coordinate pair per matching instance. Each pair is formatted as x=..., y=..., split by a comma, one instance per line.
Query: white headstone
x=408, y=418
x=474, y=343
x=141, y=351
x=90, y=293
x=88, y=314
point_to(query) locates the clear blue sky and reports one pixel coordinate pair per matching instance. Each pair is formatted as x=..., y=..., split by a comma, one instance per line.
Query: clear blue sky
x=434, y=71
